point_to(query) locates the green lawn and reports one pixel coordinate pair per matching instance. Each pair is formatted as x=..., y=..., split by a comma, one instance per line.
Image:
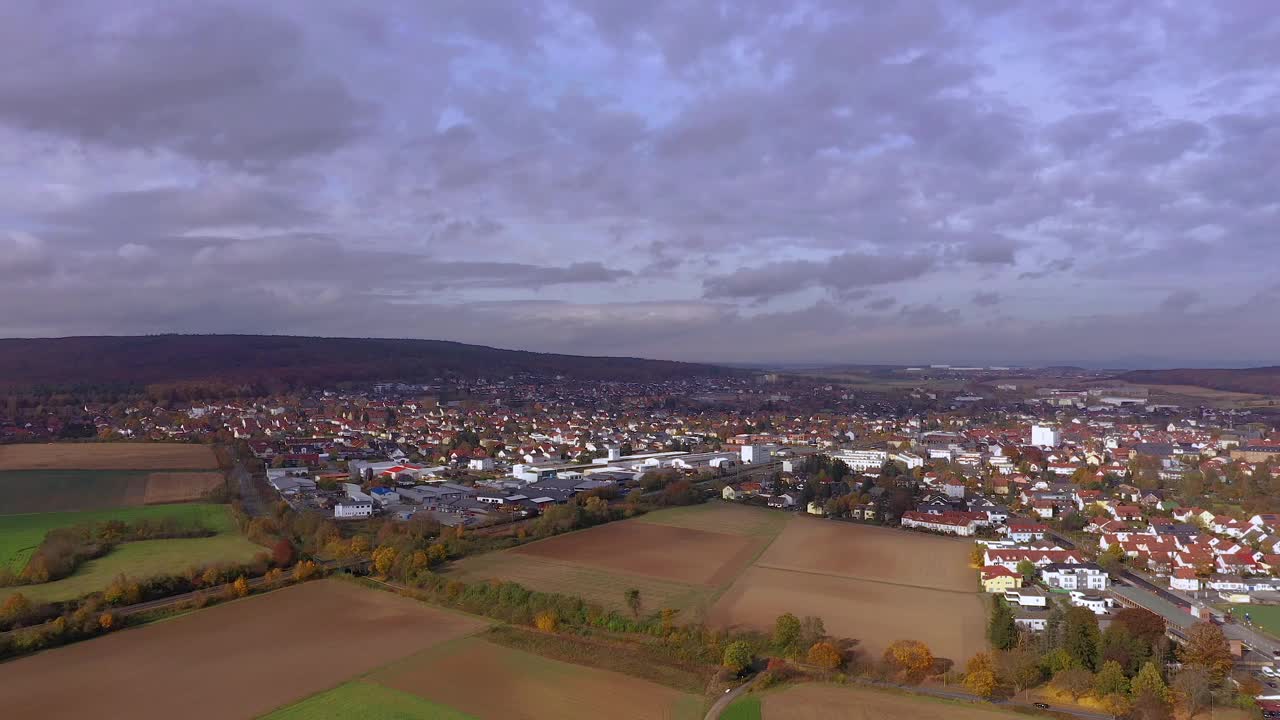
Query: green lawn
x=1266, y=617
x=744, y=708
x=366, y=701
x=20, y=534
x=141, y=559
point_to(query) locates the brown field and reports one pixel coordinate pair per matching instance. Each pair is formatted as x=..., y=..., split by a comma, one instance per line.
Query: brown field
x=237, y=660
x=868, y=552
x=833, y=702
x=107, y=456
x=721, y=517
x=676, y=554
x=499, y=683
x=171, y=487
x=872, y=584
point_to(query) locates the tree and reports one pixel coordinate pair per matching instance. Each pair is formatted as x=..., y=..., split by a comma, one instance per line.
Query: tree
x=1110, y=680
x=912, y=657
x=1112, y=560
x=106, y=621
x=1020, y=667
x=1207, y=648
x=976, y=555
x=240, y=586
x=980, y=676
x=1115, y=705
x=786, y=633
x=304, y=570
x=812, y=630
x=1080, y=637
x=546, y=621
x=384, y=558
x=1002, y=631
x=633, y=601
x=737, y=656
x=282, y=553
x=1149, y=682
x=1142, y=624
x=1027, y=570
x=825, y=655
x=1074, y=681
x=1193, y=690
x=15, y=607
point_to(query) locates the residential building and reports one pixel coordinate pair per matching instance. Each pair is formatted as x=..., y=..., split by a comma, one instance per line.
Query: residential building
x=353, y=509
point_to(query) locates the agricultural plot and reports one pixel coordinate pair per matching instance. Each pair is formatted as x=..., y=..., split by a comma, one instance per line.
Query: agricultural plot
x=107, y=456
x=680, y=558
x=20, y=534
x=492, y=682
x=868, y=583
x=47, y=491
x=237, y=660
x=141, y=559
x=368, y=701
x=812, y=701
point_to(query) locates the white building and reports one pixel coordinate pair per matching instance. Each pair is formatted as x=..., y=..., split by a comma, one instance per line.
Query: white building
x=757, y=454
x=353, y=509
x=1094, y=603
x=1081, y=576
x=862, y=460
x=911, y=460
x=1045, y=436
x=1027, y=597
x=480, y=464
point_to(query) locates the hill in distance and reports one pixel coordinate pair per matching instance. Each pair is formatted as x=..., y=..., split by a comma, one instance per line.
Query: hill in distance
x=297, y=361
x=1262, y=380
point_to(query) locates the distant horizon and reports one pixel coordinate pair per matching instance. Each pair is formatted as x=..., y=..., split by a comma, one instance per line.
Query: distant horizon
x=742, y=364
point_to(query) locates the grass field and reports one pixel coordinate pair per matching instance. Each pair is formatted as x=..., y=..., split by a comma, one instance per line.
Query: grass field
x=1266, y=617
x=237, y=660
x=493, y=682
x=745, y=708
x=20, y=534
x=141, y=559
x=368, y=701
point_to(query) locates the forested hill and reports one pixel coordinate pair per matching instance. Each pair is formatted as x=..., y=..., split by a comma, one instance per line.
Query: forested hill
x=283, y=361
x=1262, y=380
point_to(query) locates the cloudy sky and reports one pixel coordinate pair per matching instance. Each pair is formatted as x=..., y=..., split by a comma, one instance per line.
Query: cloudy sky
x=753, y=180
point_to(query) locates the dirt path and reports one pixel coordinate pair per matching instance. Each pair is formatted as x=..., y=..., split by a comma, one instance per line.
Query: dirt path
x=727, y=698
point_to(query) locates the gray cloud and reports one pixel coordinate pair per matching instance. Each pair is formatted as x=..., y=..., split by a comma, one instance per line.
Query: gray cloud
x=558, y=175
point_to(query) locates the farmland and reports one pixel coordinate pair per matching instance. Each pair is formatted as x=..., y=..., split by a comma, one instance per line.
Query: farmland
x=20, y=534
x=872, y=584
x=264, y=652
x=821, y=702
x=363, y=699
x=738, y=566
x=107, y=456
x=464, y=673
x=680, y=558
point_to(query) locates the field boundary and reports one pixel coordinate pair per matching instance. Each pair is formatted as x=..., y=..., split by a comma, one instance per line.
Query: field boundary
x=866, y=579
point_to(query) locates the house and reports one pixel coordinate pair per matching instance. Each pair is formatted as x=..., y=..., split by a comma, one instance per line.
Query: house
x=1022, y=532
x=353, y=509
x=1035, y=622
x=815, y=508
x=1000, y=579
x=483, y=464
x=963, y=524
x=1185, y=579
x=1027, y=597
x=785, y=500
x=1077, y=576
x=1097, y=604
x=1010, y=557
x=728, y=493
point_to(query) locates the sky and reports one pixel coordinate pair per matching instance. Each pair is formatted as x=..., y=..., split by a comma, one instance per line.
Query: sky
x=983, y=182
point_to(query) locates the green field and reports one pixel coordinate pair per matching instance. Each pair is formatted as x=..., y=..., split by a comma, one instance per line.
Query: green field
x=141, y=559
x=368, y=701
x=744, y=708
x=21, y=534
x=1266, y=617
x=38, y=491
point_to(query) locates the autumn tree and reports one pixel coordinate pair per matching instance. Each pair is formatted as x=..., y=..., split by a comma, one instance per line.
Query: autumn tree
x=825, y=655
x=1149, y=682
x=1115, y=704
x=1019, y=667
x=384, y=559
x=1074, y=681
x=304, y=570
x=976, y=555
x=812, y=630
x=1027, y=570
x=106, y=621
x=283, y=553
x=980, y=676
x=737, y=656
x=240, y=586
x=912, y=658
x=15, y=607
x=1192, y=690
x=1207, y=648
x=546, y=621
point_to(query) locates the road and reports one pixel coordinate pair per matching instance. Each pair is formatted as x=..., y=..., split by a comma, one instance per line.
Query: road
x=250, y=499
x=727, y=698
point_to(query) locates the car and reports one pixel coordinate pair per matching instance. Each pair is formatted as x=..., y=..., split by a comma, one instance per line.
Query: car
x=1272, y=684
x=1042, y=706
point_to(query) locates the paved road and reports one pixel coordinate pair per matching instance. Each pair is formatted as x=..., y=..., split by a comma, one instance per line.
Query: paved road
x=729, y=697
x=250, y=499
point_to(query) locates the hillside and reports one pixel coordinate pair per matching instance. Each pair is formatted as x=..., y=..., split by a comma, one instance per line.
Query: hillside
x=296, y=361
x=1263, y=380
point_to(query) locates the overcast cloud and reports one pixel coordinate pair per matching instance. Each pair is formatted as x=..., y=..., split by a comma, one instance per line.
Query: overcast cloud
x=970, y=182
